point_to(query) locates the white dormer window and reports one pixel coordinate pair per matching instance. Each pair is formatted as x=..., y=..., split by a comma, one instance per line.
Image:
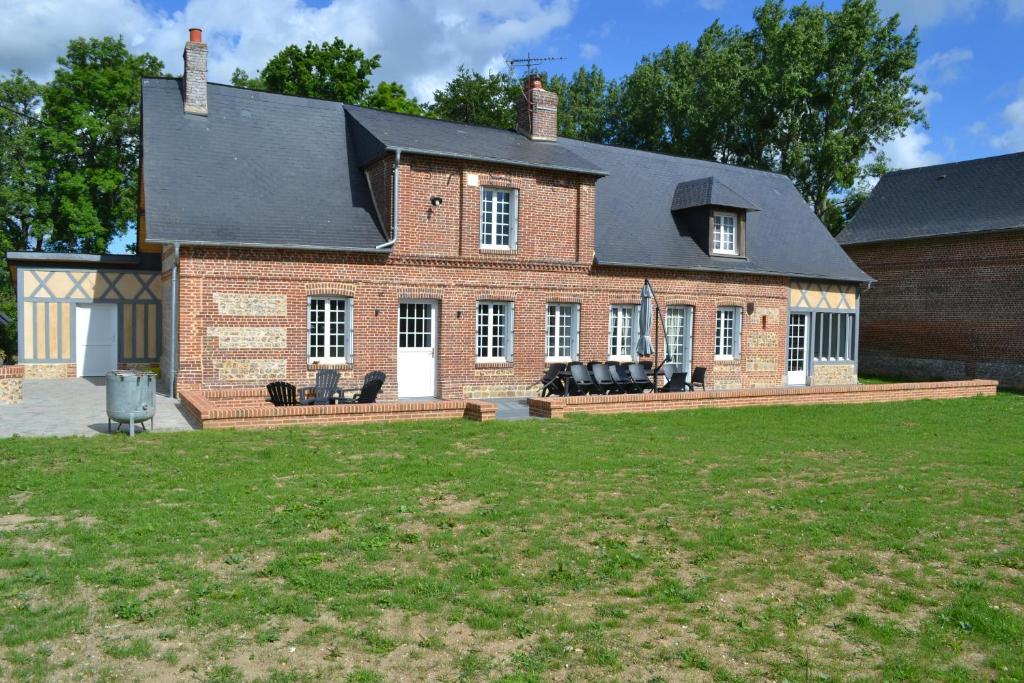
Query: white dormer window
x=498, y=217
x=726, y=235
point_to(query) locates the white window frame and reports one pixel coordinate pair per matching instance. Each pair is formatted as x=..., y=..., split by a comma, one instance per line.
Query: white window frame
x=679, y=334
x=619, y=327
x=558, y=311
x=315, y=328
x=728, y=342
x=489, y=216
x=719, y=231
x=486, y=323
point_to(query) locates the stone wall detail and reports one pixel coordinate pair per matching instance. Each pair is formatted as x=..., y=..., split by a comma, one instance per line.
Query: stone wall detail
x=11, y=384
x=49, y=370
x=248, y=370
x=251, y=305
x=834, y=374
x=249, y=337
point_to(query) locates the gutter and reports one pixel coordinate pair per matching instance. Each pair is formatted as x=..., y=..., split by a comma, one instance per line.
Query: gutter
x=173, y=370
x=394, y=204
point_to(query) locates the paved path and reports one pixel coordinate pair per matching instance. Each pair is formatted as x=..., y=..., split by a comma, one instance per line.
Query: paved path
x=75, y=406
x=511, y=408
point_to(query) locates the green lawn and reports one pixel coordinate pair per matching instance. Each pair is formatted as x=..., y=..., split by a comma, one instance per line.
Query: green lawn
x=800, y=543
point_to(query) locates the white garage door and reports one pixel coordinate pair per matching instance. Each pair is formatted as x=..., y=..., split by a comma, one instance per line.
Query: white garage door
x=95, y=339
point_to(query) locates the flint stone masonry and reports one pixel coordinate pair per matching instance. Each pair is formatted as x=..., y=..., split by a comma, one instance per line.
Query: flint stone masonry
x=254, y=305
x=249, y=337
x=244, y=370
x=49, y=370
x=763, y=340
x=11, y=384
x=827, y=375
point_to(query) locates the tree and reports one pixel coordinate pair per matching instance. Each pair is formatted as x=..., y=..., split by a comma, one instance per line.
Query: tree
x=24, y=201
x=471, y=97
x=90, y=135
x=332, y=71
x=585, y=104
x=807, y=92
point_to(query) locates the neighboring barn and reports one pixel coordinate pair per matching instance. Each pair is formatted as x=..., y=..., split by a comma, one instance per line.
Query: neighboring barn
x=946, y=245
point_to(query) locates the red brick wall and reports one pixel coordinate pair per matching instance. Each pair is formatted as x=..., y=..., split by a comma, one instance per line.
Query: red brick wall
x=944, y=307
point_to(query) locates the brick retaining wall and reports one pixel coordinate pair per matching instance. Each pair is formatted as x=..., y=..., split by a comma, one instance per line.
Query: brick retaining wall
x=11, y=383
x=248, y=409
x=729, y=398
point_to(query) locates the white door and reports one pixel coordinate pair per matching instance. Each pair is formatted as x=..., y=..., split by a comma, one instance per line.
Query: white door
x=417, y=346
x=796, y=350
x=95, y=339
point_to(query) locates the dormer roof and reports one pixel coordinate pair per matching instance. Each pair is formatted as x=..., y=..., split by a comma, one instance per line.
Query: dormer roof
x=709, y=191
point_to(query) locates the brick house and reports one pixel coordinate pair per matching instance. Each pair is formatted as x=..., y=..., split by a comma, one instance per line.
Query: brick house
x=946, y=244
x=295, y=234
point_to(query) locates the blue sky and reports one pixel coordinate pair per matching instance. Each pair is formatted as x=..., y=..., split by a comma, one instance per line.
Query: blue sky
x=969, y=52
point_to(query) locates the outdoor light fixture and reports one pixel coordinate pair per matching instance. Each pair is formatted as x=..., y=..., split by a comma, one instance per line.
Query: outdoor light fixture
x=750, y=308
x=436, y=201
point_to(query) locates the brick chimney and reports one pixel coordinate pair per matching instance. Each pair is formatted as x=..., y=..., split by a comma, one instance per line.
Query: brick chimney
x=537, y=111
x=193, y=84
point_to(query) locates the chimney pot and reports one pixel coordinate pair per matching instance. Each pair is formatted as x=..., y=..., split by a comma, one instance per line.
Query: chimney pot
x=193, y=81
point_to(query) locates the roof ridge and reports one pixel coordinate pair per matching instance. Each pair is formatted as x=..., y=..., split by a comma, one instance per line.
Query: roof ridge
x=947, y=164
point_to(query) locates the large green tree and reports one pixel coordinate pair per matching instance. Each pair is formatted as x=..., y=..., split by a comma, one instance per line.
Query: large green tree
x=90, y=135
x=24, y=173
x=808, y=92
x=471, y=97
x=333, y=71
x=586, y=100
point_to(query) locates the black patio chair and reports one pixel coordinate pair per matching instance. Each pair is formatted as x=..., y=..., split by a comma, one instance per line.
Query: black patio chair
x=372, y=384
x=698, y=378
x=282, y=394
x=676, y=378
x=602, y=378
x=552, y=384
x=620, y=375
x=580, y=380
x=638, y=374
x=321, y=393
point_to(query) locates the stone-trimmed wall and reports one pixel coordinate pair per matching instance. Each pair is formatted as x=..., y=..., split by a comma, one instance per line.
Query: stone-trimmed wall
x=830, y=374
x=11, y=384
x=552, y=407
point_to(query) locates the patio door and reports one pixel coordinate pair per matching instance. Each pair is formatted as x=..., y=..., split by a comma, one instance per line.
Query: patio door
x=417, y=349
x=95, y=339
x=796, y=350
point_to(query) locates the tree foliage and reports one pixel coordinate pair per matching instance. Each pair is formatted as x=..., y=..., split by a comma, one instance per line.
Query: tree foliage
x=24, y=200
x=586, y=101
x=333, y=71
x=471, y=97
x=807, y=92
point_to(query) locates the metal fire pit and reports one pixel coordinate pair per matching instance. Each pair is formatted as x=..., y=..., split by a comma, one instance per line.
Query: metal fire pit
x=131, y=399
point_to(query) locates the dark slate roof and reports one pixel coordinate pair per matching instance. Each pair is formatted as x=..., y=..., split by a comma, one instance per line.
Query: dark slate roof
x=709, y=191
x=260, y=170
x=981, y=195
x=420, y=135
x=144, y=261
x=636, y=227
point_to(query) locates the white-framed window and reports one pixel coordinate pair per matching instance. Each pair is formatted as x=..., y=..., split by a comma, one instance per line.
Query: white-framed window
x=726, y=237
x=728, y=321
x=499, y=212
x=679, y=333
x=329, y=335
x=493, y=331
x=562, y=337
x=834, y=336
x=621, y=332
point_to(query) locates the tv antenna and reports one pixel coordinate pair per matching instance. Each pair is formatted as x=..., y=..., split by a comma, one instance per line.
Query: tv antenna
x=529, y=62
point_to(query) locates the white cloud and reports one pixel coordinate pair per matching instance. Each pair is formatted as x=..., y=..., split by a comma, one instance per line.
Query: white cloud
x=1014, y=9
x=589, y=50
x=930, y=12
x=944, y=67
x=911, y=150
x=1012, y=139
x=421, y=42
x=978, y=128
x=711, y=4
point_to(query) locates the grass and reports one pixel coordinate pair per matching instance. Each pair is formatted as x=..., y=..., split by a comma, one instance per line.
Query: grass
x=787, y=543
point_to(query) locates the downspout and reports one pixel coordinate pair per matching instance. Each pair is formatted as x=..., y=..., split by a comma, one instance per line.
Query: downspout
x=394, y=204
x=173, y=371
